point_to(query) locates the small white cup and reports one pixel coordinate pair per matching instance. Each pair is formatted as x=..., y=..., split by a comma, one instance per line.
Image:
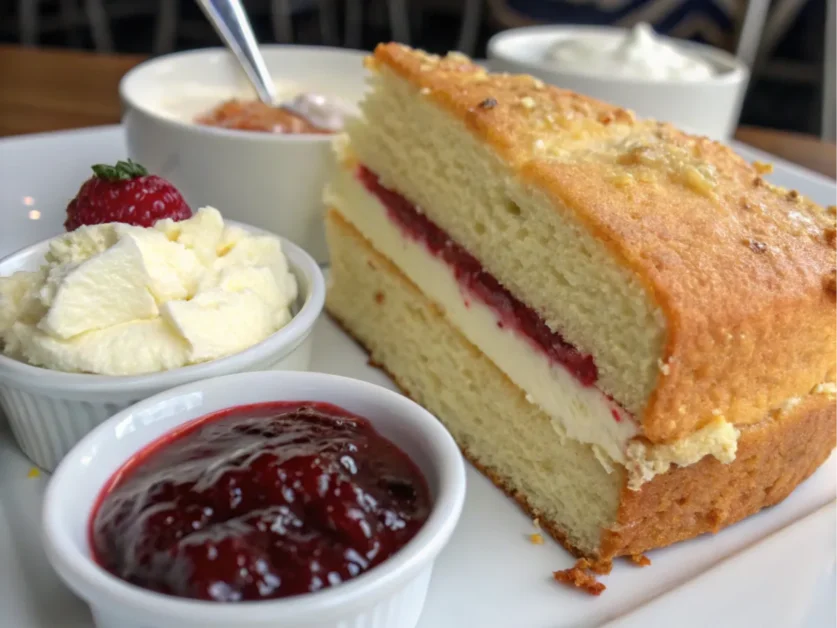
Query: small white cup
x=267, y=180
x=50, y=411
x=391, y=595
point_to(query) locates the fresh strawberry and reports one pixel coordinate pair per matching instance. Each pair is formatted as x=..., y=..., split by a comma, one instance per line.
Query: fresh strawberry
x=125, y=193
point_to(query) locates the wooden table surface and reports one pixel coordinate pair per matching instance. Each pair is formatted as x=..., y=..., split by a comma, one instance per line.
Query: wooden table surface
x=47, y=90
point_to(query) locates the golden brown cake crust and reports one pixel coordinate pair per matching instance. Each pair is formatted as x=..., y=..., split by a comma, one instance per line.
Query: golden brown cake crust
x=743, y=271
x=774, y=456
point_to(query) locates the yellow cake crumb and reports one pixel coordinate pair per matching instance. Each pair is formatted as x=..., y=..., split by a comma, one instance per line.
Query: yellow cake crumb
x=762, y=167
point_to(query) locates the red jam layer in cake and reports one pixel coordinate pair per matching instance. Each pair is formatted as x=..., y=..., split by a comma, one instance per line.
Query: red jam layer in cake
x=259, y=502
x=476, y=281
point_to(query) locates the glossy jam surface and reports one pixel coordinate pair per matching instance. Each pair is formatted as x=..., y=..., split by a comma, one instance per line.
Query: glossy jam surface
x=476, y=282
x=245, y=115
x=259, y=502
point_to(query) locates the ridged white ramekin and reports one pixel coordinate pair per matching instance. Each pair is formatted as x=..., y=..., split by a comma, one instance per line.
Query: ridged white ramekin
x=50, y=411
x=391, y=595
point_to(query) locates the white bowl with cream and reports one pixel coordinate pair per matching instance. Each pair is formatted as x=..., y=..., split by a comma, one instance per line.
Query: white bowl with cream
x=49, y=410
x=696, y=87
x=268, y=180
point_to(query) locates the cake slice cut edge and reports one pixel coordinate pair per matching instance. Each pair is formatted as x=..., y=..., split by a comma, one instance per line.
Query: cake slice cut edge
x=560, y=481
x=489, y=320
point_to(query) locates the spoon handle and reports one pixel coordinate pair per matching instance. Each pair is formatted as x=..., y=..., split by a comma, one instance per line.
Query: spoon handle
x=230, y=22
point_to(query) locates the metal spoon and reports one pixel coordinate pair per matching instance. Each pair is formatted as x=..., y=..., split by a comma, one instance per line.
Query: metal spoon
x=230, y=22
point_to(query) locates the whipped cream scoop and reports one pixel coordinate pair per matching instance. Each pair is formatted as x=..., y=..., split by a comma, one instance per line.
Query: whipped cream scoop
x=640, y=54
x=116, y=299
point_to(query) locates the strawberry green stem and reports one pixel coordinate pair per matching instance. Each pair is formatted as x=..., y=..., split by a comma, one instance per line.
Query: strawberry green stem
x=122, y=171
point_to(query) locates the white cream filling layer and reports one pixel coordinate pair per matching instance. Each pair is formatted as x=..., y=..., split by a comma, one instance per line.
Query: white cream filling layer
x=578, y=412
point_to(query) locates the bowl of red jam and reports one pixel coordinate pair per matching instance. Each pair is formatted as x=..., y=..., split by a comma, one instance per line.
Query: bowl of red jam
x=257, y=499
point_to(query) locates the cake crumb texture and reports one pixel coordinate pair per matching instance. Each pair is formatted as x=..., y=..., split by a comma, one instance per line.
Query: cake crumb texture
x=581, y=577
x=422, y=153
x=562, y=482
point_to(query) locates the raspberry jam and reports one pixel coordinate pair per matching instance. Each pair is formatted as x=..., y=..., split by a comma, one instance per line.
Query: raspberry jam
x=259, y=502
x=478, y=283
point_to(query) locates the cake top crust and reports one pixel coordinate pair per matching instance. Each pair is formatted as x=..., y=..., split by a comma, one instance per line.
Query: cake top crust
x=744, y=271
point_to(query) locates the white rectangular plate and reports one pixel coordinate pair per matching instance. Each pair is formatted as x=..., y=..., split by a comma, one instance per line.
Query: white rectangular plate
x=774, y=569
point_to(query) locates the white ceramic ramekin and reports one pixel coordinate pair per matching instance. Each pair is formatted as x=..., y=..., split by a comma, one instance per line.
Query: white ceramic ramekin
x=389, y=596
x=50, y=411
x=271, y=181
x=709, y=107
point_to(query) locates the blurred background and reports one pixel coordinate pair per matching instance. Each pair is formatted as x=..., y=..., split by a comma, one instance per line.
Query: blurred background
x=783, y=41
